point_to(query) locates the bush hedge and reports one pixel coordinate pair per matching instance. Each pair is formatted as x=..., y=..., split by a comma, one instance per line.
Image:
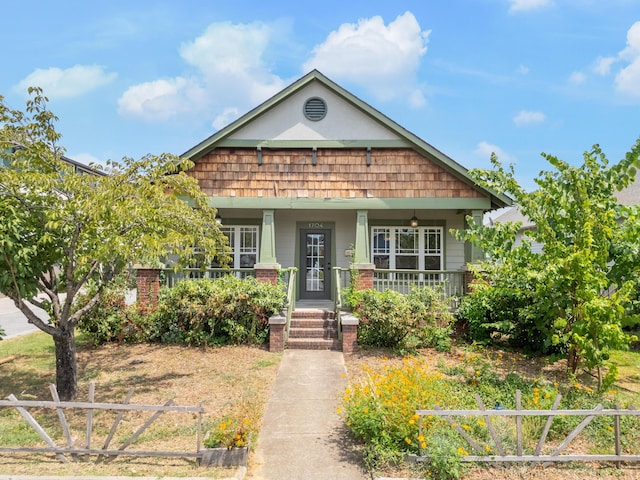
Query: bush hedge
x=403, y=322
x=227, y=310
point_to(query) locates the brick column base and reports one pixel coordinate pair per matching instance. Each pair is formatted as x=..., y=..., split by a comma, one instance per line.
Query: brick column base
x=277, y=324
x=364, y=280
x=471, y=279
x=349, y=332
x=148, y=287
x=267, y=273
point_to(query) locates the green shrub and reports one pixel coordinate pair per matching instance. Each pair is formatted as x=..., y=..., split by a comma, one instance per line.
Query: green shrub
x=392, y=320
x=111, y=319
x=225, y=310
x=495, y=314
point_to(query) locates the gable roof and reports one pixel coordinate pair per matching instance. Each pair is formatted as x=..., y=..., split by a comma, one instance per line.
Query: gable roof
x=410, y=139
x=630, y=195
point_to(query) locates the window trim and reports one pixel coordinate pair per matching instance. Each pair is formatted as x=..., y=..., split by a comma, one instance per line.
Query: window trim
x=236, y=249
x=422, y=251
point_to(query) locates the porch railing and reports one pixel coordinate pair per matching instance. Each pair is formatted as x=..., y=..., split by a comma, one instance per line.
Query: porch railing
x=170, y=277
x=451, y=282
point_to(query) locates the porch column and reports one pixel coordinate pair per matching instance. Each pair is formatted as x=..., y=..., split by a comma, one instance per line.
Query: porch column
x=362, y=257
x=362, y=250
x=476, y=253
x=267, y=269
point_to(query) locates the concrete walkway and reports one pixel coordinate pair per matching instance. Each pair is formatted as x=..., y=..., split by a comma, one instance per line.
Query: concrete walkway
x=302, y=435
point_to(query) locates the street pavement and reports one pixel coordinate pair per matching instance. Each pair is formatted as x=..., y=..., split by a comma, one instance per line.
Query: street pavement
x=13, y=321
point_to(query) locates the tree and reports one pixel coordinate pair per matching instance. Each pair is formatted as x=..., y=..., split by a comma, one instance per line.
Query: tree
x=61, y=229
x=587, y=272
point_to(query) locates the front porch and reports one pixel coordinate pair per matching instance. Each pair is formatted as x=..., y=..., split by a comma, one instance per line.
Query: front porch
x=327, y=324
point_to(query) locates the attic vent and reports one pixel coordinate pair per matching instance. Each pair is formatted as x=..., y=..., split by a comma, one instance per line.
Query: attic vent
x=315, y=109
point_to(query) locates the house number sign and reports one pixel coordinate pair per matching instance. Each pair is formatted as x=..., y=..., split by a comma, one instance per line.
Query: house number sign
x=316, y=225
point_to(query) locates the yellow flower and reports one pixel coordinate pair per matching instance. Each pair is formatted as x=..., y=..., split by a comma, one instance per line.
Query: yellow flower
x=481, y=423
x=466, y=427
x=487, y=448
x=412, y=422
x=423, y=445
x=462, y=451
x=408, y=440
x=421, y=438
x=223, y=426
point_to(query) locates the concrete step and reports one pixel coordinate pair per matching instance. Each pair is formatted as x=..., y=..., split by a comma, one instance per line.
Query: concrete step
x=313, y=344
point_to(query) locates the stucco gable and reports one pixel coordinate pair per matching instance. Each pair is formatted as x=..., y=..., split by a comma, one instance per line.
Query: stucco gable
x=286, y=121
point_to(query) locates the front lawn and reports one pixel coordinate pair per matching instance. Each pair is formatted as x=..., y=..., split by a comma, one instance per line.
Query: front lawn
x=227, y=380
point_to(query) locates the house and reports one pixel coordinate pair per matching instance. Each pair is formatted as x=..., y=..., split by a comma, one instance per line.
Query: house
x=315, y=178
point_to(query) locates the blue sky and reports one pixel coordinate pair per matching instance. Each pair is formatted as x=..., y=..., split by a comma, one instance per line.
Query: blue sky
x=517, y=77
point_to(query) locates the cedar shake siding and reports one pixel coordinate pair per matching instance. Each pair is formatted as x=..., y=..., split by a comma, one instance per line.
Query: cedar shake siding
x=338, y=173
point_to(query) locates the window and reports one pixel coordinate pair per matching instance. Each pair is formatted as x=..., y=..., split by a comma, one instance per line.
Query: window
x=406, y=248
x=243, y=241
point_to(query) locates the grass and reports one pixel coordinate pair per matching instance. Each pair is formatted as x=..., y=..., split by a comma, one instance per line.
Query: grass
x=227, y=380
x=237, y=381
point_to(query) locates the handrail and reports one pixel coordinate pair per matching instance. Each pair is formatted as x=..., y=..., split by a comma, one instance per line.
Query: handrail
x=291, y=298
x=338, y=299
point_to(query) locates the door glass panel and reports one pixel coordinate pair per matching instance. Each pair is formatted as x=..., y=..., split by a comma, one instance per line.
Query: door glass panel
x=315, y=262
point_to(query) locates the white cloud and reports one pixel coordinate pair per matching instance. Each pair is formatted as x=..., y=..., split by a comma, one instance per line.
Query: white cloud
x=226, y=117
x=382, y=58
x=628, y=79
x=603, y=65
x=485, y=149
x=523, y=69
x=71, y=82
x=231, y=73
x=577, y=78
x=161, y=99
x=527, y=117
x=525, y=5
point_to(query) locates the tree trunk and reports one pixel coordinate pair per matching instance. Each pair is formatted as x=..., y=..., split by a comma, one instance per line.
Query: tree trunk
x=66, y=365
x=573, y=359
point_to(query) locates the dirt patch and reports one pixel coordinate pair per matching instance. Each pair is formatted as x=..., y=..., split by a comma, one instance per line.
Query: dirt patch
x=221, y=379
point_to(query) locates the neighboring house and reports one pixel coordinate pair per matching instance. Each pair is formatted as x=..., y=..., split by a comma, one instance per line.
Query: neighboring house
x=77, y=166
x=627, y=196
x=315, y=178
x=514, y=215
